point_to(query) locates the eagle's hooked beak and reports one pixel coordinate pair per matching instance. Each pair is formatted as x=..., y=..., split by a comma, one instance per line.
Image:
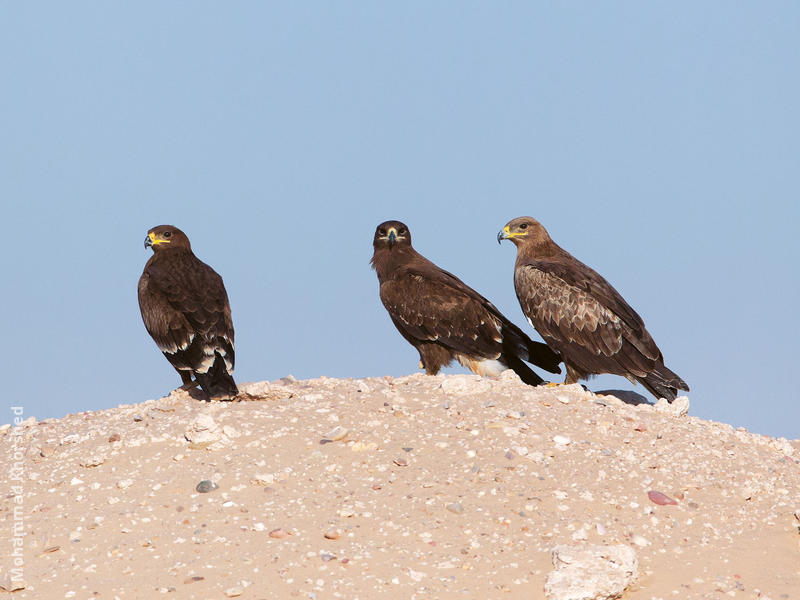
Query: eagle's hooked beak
x=503, y=234
x=148, y=241
x=392, y=236
x=506, y=234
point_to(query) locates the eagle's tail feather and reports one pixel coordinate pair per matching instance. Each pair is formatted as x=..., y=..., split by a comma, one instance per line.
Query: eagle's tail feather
x=526, y=374
x=217, y=383
x=663, y=383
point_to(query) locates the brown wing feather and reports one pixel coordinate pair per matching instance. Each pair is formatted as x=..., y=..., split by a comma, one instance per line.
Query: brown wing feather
x=427, y=311
x=582, y=325
x=185, y=309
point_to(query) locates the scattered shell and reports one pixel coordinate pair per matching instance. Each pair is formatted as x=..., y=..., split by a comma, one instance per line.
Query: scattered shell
x=561, y=440
x=337, y=433
x=114, y=437
x=233, y=592
x=659, y=498
x=332, y=534
x=400, y=461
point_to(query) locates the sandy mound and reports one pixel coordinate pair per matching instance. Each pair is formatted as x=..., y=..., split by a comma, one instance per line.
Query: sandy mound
x=417, y=487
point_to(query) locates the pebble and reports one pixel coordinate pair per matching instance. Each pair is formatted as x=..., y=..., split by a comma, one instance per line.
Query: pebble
x=332, y=534
x=76, y=481
x=337, y=433
x=233, y=592
x=640, y=541
x=400, y=462
x=455, y=507
x=279, y=534
x=124, y=483
x=114, y=437
x=206, y=486
x=263, y=479
x=138, y=418
x=46, y=450
x=561, y=440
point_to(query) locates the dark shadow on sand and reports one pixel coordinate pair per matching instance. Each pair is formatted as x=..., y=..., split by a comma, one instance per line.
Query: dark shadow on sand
x=627, y=396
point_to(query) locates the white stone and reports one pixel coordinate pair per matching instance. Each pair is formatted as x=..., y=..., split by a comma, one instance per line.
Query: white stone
x=678, y=408
x=591, y=572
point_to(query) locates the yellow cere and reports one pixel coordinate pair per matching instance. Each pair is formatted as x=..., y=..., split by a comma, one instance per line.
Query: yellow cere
x=155, y=241
x=508, y=234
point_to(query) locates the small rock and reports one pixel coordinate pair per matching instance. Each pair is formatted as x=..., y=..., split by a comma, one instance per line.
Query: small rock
x=561, y=440
x=230, y=431
x=46, y=450
x=678, y=408
x=263, y=479
x=75, y=481
x=124, y=483
x=400, y=462
x=455, y=507
x=279, y=534
x=204, y=430
x=138, y=418
x=114, y=437
x=332, y=534
x=206, y=486
x=640, y=541
x=233, y=592
x=93, y=461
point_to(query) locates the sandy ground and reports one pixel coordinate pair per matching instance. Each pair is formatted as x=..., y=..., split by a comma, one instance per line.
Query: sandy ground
x=416, y=487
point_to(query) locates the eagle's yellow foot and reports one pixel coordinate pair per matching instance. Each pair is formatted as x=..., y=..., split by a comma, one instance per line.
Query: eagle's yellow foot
x=551, y=384
x=421, y=366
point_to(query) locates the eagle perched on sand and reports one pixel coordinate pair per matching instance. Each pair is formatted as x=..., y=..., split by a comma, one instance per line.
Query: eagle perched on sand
x=580, y=315
x=186, y=311
x=446, y=320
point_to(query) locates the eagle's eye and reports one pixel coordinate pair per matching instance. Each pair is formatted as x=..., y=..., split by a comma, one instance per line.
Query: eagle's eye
x=167, y=234
x=382, y=231
x=523, y=226
x=402, y=231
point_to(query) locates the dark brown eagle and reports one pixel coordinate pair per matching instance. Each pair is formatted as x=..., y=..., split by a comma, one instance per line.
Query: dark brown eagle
x=444, y=319
x=581, y=316
x=186, y=311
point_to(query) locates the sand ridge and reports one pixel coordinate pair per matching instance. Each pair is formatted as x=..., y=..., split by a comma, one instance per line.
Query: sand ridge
x=450, y=486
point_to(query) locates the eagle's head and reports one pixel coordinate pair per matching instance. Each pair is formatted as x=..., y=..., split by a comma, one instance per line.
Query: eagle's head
x=166, y=236
x=523, y=229
x=390, y=234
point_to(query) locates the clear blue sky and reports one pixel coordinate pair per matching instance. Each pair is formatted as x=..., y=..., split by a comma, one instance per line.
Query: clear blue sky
x=658, y=142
